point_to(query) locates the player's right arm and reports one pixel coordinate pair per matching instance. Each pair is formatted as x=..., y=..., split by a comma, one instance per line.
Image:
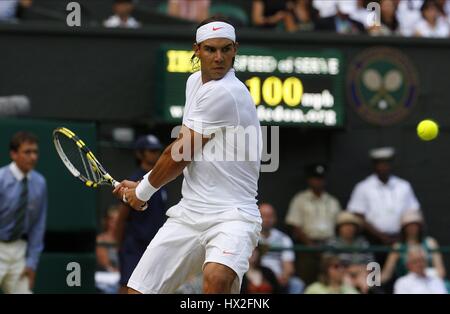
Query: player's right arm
x=171, y=163
x=168, y=167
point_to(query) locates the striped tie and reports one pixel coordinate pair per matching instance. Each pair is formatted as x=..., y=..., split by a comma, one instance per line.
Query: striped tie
x=19, y=217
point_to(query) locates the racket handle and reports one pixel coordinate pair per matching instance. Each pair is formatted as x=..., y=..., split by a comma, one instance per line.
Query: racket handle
x=115, y=183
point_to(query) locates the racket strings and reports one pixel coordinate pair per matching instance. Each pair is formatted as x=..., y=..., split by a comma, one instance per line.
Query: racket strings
x=78, y=158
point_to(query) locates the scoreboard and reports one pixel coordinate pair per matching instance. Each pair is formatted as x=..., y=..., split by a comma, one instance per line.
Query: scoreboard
x=287, y=87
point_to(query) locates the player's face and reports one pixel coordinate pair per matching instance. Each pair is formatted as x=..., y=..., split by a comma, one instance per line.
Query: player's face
x=216, y=57
x=26, y=156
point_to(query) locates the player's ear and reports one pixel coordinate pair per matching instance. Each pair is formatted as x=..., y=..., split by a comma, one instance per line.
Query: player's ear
x=236, y=46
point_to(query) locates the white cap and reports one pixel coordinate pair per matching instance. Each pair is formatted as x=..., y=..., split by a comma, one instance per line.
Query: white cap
x=382, y=153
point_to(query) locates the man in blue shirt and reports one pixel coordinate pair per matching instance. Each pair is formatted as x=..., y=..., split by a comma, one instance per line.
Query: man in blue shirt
x=136, y=229
x=23, y=208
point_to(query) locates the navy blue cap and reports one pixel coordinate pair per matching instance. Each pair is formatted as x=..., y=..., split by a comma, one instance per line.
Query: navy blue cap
x=317, y=170
x=148, y=142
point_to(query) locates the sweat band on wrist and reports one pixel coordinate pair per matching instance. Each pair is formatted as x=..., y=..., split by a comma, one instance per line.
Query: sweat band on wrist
x=145, y=190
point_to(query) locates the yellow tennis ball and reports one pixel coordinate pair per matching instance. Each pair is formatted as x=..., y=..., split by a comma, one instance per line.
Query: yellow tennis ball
x=427, y=130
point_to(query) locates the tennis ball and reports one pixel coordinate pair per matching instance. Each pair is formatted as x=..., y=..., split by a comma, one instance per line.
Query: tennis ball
x=427, y=130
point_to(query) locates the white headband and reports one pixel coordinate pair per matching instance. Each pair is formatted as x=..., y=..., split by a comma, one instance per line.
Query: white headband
x=215, y=30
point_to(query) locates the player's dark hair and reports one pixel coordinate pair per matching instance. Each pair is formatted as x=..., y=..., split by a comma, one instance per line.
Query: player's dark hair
x=215, y=18
x=21, y=137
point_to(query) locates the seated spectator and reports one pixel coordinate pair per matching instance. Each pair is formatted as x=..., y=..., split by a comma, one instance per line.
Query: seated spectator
x=269, y=13
x=280, y=262
x=331, y=278
x=302, y=17
x=419, y=279
x=389, y=23
x=312, y=220
x=361, y=14
x=348, y=235
x=408, y=14
x=341, y=22
x=444, y=9
x=107, y=276
x=412, y=234
x=122, y=15
x=191, y=10
x=381, y=199
x=326, y=8
x=11, y=9
x=432, y=23
x=259, y=279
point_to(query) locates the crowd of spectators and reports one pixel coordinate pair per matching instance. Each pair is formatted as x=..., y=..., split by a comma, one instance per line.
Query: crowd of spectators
x=421, y=18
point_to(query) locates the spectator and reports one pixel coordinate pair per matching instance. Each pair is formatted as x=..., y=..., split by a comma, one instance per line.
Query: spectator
x=122, y=15
x=135, y=229
x=389, y=23
x=282, y=263
x=361, y=14
x=191, y=10
x=326, y=8
x=312, y=218
x=341, y=22
x=107, y=276
x=348, y=235
x=412, y=234
x=444, y=8
x=381, y=200
x=408, y=15
x=269, y=13
x=259, y=279
x=23, y=205
x=302, y=17
x=331, y=278
x=11, y=9
x=419, y=280
x=432, y=23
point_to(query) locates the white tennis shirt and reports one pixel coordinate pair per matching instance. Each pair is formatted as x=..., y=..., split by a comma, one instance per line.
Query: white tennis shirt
x=227, y=175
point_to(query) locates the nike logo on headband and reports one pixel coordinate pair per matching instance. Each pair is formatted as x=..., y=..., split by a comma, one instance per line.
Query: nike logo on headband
x=216, y=28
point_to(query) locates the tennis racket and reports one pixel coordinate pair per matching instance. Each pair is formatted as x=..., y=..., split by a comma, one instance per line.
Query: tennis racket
x=80, y=160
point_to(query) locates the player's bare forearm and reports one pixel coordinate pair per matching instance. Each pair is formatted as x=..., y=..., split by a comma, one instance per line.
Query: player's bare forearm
x=166, y=169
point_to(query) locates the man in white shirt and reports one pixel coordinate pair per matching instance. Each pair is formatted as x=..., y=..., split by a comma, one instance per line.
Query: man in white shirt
x=419, y=280
x=216, y=225
x=122, y=15
x=281, y=262
x=382, y=198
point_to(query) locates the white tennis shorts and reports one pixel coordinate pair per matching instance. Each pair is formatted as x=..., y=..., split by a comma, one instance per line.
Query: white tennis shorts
x=188, y=240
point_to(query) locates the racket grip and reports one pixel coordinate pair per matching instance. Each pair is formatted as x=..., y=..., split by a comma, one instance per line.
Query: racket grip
x=115, y=183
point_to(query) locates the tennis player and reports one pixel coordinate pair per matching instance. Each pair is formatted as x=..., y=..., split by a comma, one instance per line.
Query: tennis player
x=216, y=225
